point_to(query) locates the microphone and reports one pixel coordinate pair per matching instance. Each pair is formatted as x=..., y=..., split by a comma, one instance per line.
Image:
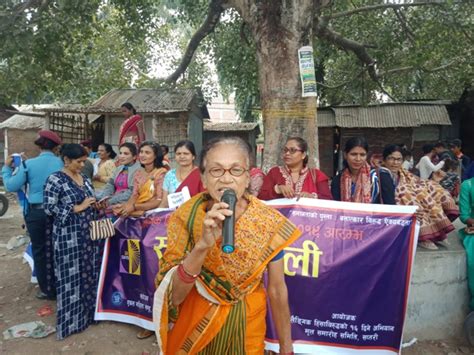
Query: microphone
x=230, y=198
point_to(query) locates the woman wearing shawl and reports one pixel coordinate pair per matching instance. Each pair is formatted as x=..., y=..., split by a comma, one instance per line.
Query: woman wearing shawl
x=132, y=129
x=295, y=178
x=104, y=166
x=466, y=206
x=119, y=188
x=209, y=302
x=147, y=183
x=186, y=175
x=357, y=182
x=436, y=207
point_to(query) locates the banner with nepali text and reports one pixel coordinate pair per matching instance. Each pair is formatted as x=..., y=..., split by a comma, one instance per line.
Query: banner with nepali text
x=348, y=275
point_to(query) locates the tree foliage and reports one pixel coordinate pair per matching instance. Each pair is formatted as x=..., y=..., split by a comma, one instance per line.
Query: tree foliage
x=71, y=50
x=78, y=50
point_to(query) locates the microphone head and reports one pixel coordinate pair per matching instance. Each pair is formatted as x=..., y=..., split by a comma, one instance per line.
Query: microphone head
x=228, y=249
x=229, y=196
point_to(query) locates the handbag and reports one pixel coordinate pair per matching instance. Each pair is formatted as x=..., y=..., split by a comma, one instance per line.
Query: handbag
x=101, y=229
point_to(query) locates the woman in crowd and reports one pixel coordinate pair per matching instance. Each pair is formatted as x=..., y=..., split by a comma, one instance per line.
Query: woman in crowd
x=357, y=182
x=256, y=178
x=215, y=303
x=295, y=178
x=147, y=183
x=466, y=206
x=185, y=175
x=33, y=173
x=166, y=156
x=119, y=188
x=104, y=166
x=132, y=129
x=436, y=207
x=68, y=199
x=450, y=180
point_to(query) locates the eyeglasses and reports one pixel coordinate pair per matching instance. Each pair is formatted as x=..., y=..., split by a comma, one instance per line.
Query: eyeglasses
x=290, y=150
x=235, y=171
x=396, y=160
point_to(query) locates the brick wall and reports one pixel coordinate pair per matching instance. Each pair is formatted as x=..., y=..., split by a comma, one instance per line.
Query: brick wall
x=378, y=138
x=23, y=141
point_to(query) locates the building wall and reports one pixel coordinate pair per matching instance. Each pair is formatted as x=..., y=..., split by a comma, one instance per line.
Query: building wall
x=421, y=136
x=170, y=130
x=378, y=138
x=22, y=141
x=326, y=150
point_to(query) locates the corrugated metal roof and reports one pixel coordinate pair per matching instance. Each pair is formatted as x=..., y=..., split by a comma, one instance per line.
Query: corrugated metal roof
x=391, y=115
x=74, y=110
x=144, y=101
x=32, y=116
x=229, y=126
x=326, y=118
x=23, y=122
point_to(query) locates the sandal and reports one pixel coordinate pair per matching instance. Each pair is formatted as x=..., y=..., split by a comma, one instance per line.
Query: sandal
x=428, y=244
x=145, y=333
x=444, y=243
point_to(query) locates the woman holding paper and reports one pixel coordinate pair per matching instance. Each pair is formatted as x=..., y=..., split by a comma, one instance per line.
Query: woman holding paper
x=147, y=183
x=295, y=178
x=186, y=177
x=209, y=302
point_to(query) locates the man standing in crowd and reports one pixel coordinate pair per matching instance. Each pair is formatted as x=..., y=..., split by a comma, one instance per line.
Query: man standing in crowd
x=425, y=165
x=443, y=152
x=464, y=160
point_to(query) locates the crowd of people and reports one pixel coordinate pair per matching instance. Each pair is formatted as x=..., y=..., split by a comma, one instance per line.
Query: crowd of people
x=66, y=193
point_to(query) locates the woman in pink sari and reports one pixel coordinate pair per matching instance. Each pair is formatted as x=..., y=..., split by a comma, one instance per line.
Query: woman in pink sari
x=132, y=129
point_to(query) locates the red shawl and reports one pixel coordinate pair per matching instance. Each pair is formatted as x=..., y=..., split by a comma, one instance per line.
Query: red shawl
x=363, y=187
x=132, y=125
x=193, y=182
x=312, y=181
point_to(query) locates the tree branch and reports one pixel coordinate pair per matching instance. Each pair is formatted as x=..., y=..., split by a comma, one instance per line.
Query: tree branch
x=19, y=10
x=379, y=7
x=403, y=22
x=212, y=19
x=359, y=49
x=427, y=70
x=344, y=83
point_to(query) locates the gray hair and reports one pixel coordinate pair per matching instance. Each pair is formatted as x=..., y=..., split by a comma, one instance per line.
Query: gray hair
x=237, y=141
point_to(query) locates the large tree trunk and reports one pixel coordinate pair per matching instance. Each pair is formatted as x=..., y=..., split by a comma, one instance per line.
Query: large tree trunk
x=280, y=28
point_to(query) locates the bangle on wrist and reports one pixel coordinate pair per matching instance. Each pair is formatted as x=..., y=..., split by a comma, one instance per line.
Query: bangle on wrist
x=184, y=276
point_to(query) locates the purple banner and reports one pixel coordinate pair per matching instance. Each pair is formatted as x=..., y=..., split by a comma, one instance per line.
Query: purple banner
x=129, y=267
x=347, y=276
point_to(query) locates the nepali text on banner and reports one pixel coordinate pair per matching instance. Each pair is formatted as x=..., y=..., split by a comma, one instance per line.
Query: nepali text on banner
x=347, y=276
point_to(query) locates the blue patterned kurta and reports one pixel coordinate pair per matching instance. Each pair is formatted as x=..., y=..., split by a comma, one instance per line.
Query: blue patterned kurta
x=76, y=256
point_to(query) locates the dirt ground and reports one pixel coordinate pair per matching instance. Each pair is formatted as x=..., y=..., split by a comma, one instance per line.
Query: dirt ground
x=19, y=305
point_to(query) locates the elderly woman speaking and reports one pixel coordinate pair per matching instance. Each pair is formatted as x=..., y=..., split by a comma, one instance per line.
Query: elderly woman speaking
x=215, y=303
